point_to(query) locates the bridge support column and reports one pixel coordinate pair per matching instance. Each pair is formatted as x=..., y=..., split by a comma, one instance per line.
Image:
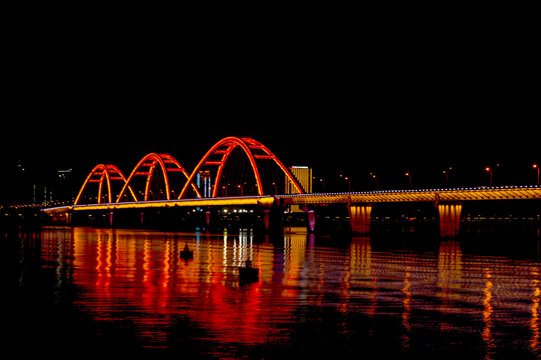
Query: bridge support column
x=359, y=217
x=266, y=219
x=272, y=219
x=311, y=220
x=311, y=217
x=449, y=218
x=207, y=218
x=111, y=218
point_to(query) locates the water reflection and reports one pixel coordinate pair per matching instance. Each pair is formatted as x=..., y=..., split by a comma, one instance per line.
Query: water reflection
x=487, y=315
x=407, y=309
x=424, y=299
x=535, y=346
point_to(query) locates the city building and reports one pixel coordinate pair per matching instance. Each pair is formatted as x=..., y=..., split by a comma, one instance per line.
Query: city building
x=204, y=183
x=303, y=175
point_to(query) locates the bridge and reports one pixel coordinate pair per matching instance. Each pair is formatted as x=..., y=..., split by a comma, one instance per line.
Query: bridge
x=240, y=171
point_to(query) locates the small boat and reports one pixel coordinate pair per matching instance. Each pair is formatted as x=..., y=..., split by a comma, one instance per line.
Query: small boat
x=186, y=254
x=248, y=273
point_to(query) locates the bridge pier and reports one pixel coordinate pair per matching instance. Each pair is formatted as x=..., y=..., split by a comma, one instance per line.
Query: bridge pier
x=272, y=219
x=266, y=219
x=359, y=217
x=449, y=214
x=311, y=220
x=211, y=219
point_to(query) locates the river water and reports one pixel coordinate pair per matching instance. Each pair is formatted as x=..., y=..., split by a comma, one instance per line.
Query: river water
x=79, y=291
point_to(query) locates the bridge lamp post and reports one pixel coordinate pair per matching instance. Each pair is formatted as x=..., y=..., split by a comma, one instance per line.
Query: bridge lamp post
x=489, y=170
x=535, y=166
x=375, y=177
x=348, y=180
x=408, y=175
x=322, y=183
x=446, y=172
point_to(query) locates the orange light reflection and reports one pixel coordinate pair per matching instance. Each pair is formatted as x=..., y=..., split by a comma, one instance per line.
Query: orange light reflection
x=535, y=345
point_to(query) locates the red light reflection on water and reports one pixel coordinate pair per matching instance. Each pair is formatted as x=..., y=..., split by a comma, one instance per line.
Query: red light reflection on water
x=142, y=272
x=140, y=276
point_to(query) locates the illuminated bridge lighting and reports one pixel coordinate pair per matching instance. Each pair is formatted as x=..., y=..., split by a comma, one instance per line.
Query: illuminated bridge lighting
x=420, y=195
x=165, y=183
x=531, y=192
x=161, y=177
x=264, y=201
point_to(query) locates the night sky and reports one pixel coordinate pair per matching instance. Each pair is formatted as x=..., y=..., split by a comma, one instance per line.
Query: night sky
x=379, y=101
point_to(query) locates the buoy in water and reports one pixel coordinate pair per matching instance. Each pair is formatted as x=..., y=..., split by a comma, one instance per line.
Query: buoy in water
x=248, y=273
x=186, y=254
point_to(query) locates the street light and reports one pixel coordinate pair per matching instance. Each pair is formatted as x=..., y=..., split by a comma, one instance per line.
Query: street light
x=348, y=180
x=489, y=170
x=374, y=176
x=409, y=176
x=322, y=183
x=349, y=183
x=535, y=166
x=446, y=172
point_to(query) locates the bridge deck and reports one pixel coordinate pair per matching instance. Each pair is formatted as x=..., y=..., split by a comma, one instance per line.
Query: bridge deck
x=432, y=195
x=532, y=192
x=265, y=201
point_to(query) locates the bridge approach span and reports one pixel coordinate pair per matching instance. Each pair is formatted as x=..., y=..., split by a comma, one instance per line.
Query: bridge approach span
x=421, y=195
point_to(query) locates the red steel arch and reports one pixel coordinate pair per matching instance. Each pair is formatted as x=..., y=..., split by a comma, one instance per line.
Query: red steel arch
x=146, y=167
x=103, y=174
x=224, y=148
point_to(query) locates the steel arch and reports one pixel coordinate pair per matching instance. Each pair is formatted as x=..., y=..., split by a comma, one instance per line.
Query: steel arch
x=167, y=164
x=247, y=145
x=103, y=173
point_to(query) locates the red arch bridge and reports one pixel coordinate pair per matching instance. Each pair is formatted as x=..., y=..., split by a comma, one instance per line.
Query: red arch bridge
x=242, y=172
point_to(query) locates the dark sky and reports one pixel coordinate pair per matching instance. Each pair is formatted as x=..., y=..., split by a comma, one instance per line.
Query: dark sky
x=385, y=100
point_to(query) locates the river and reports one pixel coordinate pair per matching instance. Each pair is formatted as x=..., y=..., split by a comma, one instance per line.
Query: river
x=80, y=291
